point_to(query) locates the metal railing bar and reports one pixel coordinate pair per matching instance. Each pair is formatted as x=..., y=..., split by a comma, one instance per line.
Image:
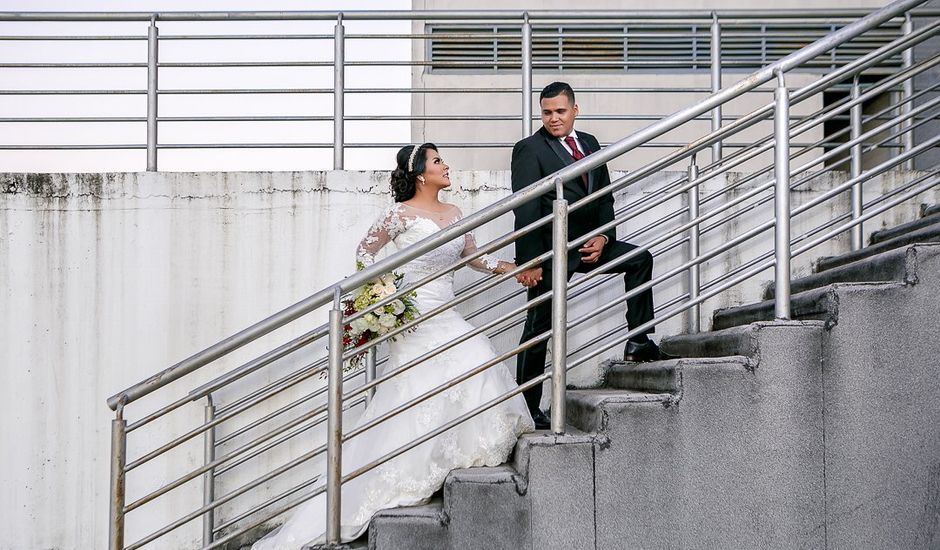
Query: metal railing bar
x=306, y=456
x=166, y=488
x=613, y=332
x=41, y=37
x=72, y=92
x=731, y=243
x=463, y=418
x=868, y=215
x=877, y=170
x=286, y=437
x=818, y=229
x=502, y=398
x=78, y=65
x=269, y=502
x=248, y=36
x=489, y=247
x=668, y=315
x=757, y=115
x=815, y=119
x=198, y=430
x=227, y=497
x=318, y=367
x=69, y=147
x=77, y=119
x=826, y=156
x=474, y=220
x=829, y=16
x=235, y=374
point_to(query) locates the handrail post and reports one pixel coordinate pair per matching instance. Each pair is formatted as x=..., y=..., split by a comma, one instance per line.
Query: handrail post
x=334, y=423
x=782, y=199
x=907, y=91
x=339, y=60
x=526, y=76
x=208, y=480
x=716, y=82
x=559, y=307
x=153, y=52
x=856, y=164
x=118, y=461
x=370, y=373
x=694, y=273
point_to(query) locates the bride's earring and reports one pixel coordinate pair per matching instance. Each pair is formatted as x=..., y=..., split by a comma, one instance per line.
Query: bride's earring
x=421, y=180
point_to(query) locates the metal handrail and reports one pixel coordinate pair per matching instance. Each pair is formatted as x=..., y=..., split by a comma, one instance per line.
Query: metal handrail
x=536, y=189
x=561, y=287
x=725, y=25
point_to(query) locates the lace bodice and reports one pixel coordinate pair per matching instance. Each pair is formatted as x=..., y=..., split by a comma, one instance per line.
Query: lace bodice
x=405, y=225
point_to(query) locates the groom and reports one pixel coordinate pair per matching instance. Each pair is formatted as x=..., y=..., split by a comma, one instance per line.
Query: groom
x=554, y=146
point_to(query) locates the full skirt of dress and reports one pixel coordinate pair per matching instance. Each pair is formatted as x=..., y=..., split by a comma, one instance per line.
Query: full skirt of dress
x=411, y=478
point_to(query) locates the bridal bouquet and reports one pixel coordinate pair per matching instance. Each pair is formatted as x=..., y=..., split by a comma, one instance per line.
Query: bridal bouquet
x=379, y=322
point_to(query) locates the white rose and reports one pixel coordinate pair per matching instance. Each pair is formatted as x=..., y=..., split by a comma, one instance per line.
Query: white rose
x=388, y=279
x=359, y=326
x=398, y=307
x=372, y=321
x=388, y=320
x=382, y=291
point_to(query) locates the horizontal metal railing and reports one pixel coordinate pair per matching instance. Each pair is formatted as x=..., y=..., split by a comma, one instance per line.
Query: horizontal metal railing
x=668, y=234
x=716, y=33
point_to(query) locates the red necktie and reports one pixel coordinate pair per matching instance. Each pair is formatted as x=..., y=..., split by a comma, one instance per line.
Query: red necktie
x=577, y=155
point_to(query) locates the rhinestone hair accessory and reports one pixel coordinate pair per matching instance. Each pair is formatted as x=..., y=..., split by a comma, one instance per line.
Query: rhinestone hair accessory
x=411, y=158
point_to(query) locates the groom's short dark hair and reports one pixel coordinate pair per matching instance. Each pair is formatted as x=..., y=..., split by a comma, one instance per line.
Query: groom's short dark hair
x=556, y=89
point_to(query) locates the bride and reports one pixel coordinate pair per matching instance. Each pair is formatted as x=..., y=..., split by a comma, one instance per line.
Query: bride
x=484, y=440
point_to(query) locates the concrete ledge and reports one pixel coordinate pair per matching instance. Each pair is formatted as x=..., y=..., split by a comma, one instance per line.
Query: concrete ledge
x=421, y=527
x=904, y=228
x=893, y=265
x=819, y=303
x=924, y=235
x=663, y=376
x=738, y=340
x=587, y=408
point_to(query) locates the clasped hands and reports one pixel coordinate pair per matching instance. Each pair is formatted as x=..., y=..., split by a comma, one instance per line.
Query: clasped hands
x=590, y=254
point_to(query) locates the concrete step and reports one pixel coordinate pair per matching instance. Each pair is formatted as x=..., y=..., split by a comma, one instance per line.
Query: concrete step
x=660, y=376
x=815, y=304
x=927, y=234
x=739, y=340
x=586, y=408
x=893, y=265
x=897, y=231
x=423, y=527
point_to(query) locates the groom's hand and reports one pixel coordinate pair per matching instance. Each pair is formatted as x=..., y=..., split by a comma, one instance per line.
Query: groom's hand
x=591, y=251
x=530, y=277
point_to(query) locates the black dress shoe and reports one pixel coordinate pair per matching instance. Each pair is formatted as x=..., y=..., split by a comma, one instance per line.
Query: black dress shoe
x=647, y=351
x=542, y=420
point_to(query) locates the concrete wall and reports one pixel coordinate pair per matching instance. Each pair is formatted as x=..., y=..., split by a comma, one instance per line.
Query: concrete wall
x=106, y=279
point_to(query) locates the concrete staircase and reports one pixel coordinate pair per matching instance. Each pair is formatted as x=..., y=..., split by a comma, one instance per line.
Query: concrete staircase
x=820, y=432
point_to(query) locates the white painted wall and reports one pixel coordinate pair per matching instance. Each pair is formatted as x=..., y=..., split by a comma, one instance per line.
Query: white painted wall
x=106, y=279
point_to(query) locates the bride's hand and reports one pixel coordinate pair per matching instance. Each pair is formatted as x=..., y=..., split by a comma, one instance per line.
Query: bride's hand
x=504, y=267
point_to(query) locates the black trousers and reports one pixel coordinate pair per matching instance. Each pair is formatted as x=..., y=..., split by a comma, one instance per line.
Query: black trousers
x=636, y=271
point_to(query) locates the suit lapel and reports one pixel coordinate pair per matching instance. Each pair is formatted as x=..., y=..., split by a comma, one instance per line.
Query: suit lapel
x=566, y=158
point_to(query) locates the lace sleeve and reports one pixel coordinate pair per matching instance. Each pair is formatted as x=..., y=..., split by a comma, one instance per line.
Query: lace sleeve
x=484, y=263
x=383, y=230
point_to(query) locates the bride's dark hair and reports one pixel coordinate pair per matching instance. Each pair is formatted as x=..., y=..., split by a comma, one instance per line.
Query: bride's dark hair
x=404, y=181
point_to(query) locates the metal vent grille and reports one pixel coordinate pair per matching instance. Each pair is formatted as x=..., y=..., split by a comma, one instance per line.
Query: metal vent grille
x=646, y=47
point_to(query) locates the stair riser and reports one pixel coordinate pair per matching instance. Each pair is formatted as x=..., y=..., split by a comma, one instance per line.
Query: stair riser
x=888, y=266
x=893, y=232
x=925, y=235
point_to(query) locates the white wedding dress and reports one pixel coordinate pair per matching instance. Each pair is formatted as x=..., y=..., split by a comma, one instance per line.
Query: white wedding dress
x=485, y=440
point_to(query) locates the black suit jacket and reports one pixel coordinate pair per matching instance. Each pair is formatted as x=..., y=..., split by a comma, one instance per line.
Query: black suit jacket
x=538, y=156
